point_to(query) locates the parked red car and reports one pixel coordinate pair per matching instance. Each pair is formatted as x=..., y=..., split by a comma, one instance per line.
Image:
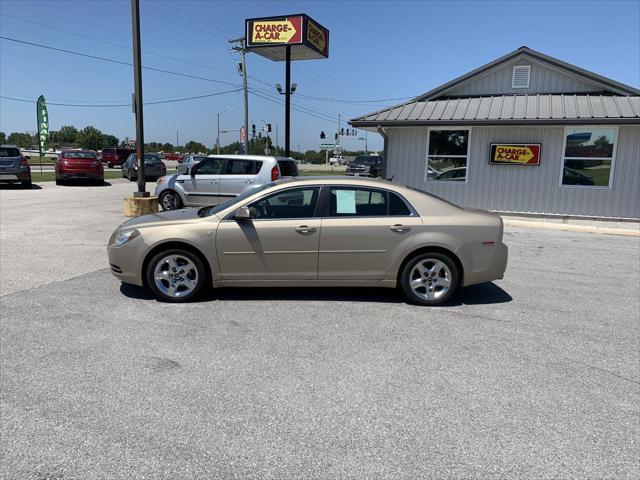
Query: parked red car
x=79, y=165
x=173, y=156
x=113, y=156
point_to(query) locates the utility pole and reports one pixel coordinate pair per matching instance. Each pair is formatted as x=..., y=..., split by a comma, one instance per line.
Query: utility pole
x=277, y=138
x=177, y=138
x=287, y=103
x=218, y=137
x=241, y=47
x=137, y=83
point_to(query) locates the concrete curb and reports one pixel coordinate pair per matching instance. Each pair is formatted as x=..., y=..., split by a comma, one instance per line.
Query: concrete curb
x=572, y=228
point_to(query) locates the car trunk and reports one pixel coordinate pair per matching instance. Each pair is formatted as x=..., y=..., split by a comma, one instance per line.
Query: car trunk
x=10, y=159
x=80, y=164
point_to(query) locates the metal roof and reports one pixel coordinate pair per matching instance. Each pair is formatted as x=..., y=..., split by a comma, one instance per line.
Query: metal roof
x=509, y=109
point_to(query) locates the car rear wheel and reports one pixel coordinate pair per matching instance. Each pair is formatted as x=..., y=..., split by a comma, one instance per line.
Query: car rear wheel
x=429, y=279
x=176, y=275
x=26, y=184
x=170, y=200
x=110, y=165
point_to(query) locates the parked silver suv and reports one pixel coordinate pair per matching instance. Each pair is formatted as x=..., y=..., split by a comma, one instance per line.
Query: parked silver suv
x=218, y=178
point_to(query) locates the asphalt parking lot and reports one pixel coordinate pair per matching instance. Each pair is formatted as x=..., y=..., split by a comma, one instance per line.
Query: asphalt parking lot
x=533, y=376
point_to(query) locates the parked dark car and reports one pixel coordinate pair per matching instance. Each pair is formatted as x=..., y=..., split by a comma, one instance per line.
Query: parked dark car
x=154, y=167
x=114, y=156
x=367, y=166
x=14, y=167
x=458, y=174
x=79, y=165
x=574, y=177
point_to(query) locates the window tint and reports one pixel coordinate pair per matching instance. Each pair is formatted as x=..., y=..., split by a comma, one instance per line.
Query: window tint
x=9, y=152
x=210, y=166
x=288, y=168
x=243, y=167
x=292, y=203
x=365, y=202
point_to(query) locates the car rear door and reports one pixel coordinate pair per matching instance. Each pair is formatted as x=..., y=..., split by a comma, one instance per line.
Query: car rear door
x=239, y=175
x=364, y=231
x=280, y=242
x=202, y=187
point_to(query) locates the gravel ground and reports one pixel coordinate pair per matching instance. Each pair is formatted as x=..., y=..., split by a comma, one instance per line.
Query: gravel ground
x=534, y=376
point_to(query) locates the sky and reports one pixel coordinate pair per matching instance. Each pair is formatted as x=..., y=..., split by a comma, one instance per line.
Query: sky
x=379, y=50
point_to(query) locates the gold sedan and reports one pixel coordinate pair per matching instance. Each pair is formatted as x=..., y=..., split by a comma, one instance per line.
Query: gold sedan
x=313, y=232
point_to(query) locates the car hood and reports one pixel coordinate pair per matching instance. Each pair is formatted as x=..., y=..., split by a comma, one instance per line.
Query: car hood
x=171, y=217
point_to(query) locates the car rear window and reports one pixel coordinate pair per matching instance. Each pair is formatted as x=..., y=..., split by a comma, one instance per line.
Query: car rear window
x=243, y=167
x=9, y=152
x=108, y=151
x=79, y=155
x=288, y=168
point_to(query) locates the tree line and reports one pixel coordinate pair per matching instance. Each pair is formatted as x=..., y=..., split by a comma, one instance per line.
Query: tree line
x=91, y=138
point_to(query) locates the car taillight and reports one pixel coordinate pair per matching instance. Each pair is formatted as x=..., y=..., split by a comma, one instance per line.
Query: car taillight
x=24, y=162
x=275, y=173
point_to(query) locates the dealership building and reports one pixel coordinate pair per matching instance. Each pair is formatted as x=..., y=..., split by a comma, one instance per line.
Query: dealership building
x=526, y=134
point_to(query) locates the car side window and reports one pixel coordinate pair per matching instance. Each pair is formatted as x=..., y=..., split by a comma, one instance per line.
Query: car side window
x=210, y=166
x=243, y=167
x=292, y=203
x=365, y=202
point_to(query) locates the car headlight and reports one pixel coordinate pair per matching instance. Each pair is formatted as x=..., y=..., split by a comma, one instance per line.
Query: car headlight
x=124, y=236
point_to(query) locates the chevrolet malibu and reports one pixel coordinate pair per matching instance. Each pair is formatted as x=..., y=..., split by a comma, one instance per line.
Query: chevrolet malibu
x=316, y=231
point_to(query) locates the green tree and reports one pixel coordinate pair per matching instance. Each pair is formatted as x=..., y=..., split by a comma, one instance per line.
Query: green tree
x=167, y=147
x=90, y=138
x=3, y=137
x=109, y=140
x=194, y=147
x=22, y=140
x=66, y=135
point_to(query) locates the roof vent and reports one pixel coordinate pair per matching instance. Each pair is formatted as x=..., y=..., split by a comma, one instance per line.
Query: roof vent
x=521, y=75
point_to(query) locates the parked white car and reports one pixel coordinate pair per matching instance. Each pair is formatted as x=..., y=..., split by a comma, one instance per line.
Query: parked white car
x=186, y=163
x=218, y=178
x=337, y=160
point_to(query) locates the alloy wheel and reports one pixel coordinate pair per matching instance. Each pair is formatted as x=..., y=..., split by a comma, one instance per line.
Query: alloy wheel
x=176, y=276
x=430, y=279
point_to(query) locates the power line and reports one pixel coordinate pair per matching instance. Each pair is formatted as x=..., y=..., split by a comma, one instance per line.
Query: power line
x=111, y=60
x=156, y=102
x=114, y=44
x=340, y=100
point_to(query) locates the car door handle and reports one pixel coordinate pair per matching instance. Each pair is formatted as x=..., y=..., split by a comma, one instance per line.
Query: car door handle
x=305, y=230
x=399, y=228
x=248, y=181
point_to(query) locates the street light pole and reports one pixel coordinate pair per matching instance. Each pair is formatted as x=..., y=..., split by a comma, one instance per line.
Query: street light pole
x=218, y=137
x=137, y=84
x=287, y=103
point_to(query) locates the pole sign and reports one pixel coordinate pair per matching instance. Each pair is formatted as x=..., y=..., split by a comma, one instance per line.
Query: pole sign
x=269, y=36
x=327, y=146
x=515, y=154
x=43, y=124
x=243, y=140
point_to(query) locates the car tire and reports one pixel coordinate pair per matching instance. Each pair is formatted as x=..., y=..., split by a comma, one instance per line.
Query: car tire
x=109, y=165
x=27, y=184
x=132, y=178
x=170, y=200
x=429, y=279
x=190, y=276
x=59, y=182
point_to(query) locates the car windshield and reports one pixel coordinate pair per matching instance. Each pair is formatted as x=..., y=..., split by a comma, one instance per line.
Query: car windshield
x=213, y=210
x=79, y=155
x=9, y=152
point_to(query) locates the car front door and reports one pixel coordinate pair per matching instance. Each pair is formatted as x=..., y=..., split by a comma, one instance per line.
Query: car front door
x=364, y=231
x=239, y=175
x=279, y=242
x=202, y=185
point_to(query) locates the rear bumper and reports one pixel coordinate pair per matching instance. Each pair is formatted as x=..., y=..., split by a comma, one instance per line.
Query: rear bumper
x=492, y=270
x=14, y=177
x=80, y=176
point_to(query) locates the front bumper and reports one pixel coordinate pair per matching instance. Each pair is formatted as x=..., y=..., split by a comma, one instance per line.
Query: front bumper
x=125, y=261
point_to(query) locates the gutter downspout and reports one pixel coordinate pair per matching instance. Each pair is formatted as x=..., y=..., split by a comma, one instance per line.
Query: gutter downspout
x=383, y=133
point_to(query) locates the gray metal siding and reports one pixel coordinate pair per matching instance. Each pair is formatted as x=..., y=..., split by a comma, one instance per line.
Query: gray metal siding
x=544, y=79
x=522, y=189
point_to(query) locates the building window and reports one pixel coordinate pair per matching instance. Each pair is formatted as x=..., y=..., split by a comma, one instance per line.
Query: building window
x=447, y=155
x=588, y=157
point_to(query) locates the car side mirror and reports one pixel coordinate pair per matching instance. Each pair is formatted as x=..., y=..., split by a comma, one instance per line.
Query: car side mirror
x=243, y=213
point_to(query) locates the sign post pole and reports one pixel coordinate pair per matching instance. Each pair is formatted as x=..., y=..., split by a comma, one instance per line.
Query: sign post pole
x=287, y=106
x=137, y=81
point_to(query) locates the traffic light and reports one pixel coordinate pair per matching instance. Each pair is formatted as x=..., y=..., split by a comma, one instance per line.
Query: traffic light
x=322, y=135
x=342, y=131
x=336, y=137
x=353, y=132
x=268, y=127
x=253, y=130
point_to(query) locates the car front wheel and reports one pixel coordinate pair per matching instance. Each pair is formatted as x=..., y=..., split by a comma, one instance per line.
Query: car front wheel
x=429, y=279
x=176, y=276
x=170, y=200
